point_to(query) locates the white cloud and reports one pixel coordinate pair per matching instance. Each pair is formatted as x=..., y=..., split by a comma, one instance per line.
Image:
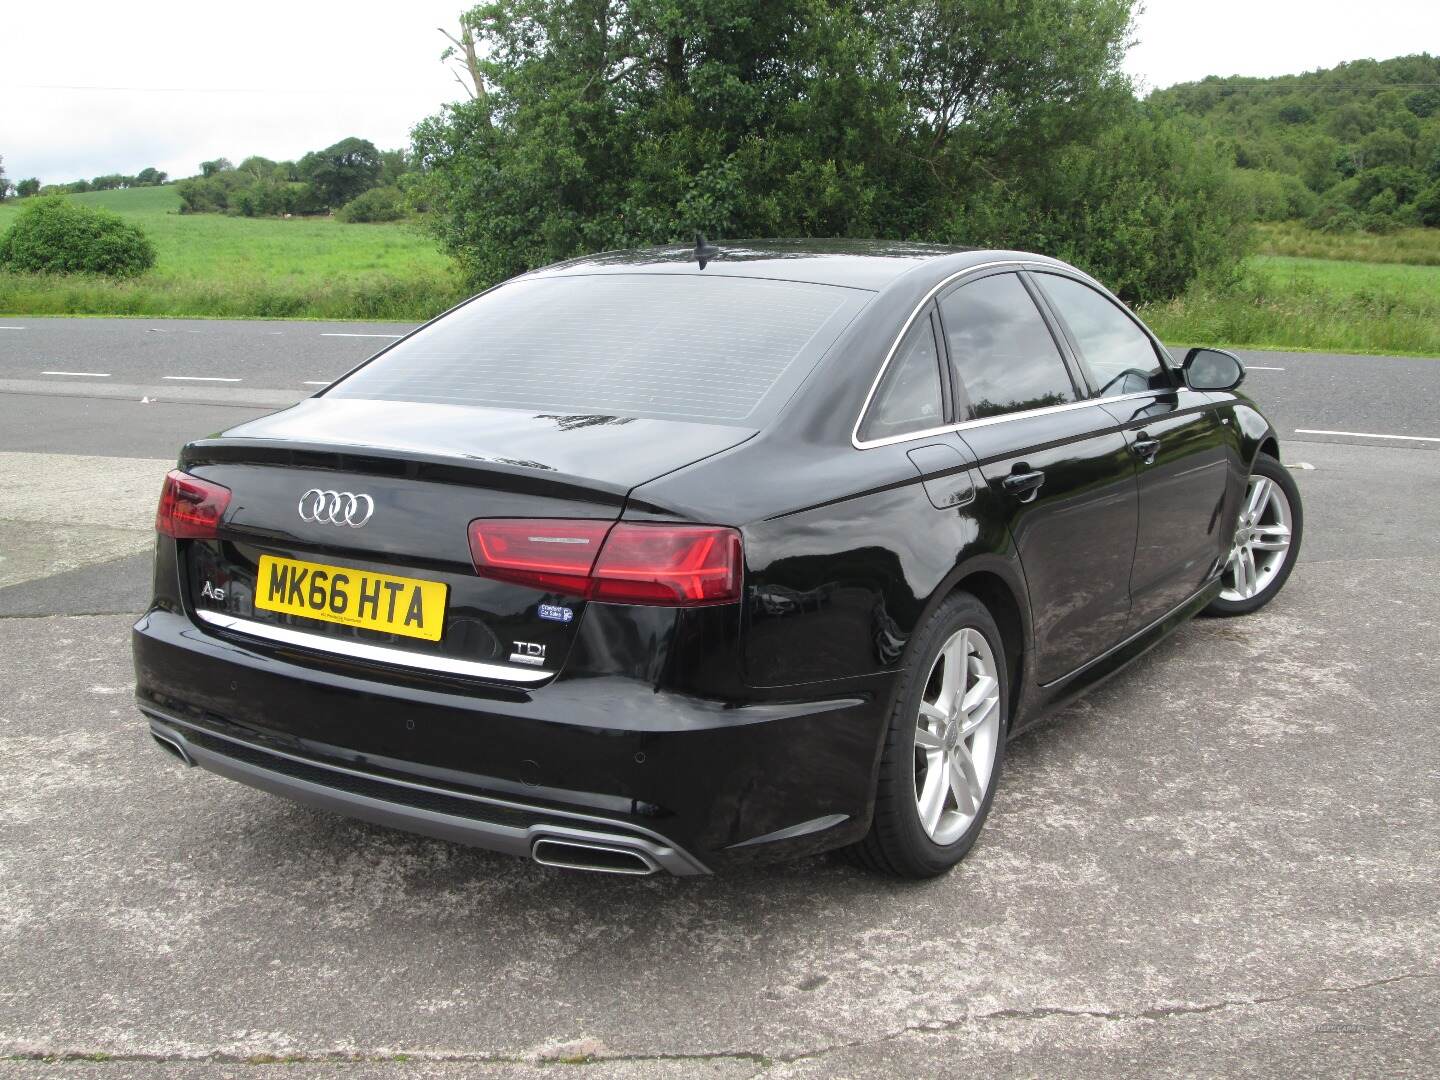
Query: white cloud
x=314, y=73
x=309, y=74
x=1185, y=40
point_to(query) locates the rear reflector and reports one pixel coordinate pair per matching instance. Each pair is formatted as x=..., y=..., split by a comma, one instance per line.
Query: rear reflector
x=190, y=508
x=623, y=563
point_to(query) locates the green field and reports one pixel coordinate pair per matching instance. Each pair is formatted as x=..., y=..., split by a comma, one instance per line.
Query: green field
x=1312, y=304
x=1342, y=292
x=229, y=267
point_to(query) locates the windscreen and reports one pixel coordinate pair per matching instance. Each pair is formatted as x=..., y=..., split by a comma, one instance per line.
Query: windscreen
x=691, y=347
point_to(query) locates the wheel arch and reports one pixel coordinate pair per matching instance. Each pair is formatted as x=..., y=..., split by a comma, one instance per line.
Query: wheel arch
x=1257, y=434
x=1000, y=586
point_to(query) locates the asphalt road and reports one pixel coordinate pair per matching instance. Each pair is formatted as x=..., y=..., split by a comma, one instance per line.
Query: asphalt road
x=265, y=365
x=1221, y=863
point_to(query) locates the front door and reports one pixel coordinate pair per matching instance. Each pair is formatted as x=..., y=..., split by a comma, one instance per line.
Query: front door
x=1174, y=435
x=1183, y=470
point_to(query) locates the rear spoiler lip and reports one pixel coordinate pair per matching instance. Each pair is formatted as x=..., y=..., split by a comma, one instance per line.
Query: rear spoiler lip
x=522, y=477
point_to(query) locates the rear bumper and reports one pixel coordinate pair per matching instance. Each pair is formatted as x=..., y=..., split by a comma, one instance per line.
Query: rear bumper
x=498, y=825
x=690, y=785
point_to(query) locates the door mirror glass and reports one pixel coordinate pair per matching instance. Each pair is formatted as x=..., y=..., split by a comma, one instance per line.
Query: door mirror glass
x=1213, y=369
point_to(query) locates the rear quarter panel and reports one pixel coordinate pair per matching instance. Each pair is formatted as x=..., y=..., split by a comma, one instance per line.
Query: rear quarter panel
x=848, y=561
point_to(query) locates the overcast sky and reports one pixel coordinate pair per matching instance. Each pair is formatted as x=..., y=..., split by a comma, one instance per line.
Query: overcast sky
x=98, y=87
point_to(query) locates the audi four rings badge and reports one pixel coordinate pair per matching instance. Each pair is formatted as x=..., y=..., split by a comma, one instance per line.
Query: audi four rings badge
x=336, y=508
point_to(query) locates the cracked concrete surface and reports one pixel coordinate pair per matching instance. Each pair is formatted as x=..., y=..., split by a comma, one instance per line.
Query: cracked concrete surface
x=1222, y=862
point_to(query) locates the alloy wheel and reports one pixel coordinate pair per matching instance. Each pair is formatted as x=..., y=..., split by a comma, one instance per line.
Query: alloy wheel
x=957, y=731
x=1262, y=540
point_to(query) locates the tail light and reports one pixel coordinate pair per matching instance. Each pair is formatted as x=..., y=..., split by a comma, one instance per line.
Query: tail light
x=623, y=563
x=190, y=508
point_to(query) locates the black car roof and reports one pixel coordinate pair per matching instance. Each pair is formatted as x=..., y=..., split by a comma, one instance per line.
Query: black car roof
x=858, y=264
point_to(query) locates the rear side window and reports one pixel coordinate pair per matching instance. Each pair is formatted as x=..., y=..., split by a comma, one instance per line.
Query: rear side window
x=908, y=397
x=666, y=346
x=1120, y=355
x=1002, y=349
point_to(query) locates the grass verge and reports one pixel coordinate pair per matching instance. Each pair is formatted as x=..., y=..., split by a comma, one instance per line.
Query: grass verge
x=1311, y=305
x=413, y=298
x=1415, y=247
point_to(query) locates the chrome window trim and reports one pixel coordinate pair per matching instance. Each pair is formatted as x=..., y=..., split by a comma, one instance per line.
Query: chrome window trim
x=380, y=654
x=866, y=444
x=986, y=421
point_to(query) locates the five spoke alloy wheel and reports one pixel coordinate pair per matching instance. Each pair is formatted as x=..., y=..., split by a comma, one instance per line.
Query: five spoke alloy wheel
x=1266, y=541
x=957, y=731
x=944, y=747
x=1262, y=540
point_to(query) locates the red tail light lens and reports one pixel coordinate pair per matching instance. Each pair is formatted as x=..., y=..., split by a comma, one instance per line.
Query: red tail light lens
x=673, y=565
x=624, y=563
x=190, y=508
x=554, y=554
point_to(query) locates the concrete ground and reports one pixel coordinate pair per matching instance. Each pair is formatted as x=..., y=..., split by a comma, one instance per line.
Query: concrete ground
x=1224, y=862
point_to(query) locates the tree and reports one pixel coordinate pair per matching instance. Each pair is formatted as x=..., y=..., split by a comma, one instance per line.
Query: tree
x=150, y=177
x=340, y=172
x=632, y=122
x=393, y=165
x=28, y=187
x=4, y=184
x=210, y=168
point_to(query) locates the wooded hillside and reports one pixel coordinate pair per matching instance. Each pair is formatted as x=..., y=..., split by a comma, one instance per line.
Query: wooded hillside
x=1351, y=147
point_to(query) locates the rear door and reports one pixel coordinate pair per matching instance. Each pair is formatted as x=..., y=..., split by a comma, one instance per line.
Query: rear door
x=1174, y=435
x=1056, y=468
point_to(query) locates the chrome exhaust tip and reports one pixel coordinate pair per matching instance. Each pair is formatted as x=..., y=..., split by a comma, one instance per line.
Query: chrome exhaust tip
x=171, y=745
x=568, y=854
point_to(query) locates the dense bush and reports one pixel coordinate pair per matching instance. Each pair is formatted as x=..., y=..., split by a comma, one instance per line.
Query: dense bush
x=1427, y=206
x=1146, y=206
x=1276, y=196
x=377, y=204
x=59, y=235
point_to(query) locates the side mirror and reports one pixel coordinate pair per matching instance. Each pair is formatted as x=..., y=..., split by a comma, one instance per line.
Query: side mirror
x=1213, y=369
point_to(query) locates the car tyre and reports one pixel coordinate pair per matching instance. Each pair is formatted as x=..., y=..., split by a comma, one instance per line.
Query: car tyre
x=1266, y=543
x=948, y=716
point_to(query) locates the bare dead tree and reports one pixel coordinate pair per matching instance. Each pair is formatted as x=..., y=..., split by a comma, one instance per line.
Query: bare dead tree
x=464, y=61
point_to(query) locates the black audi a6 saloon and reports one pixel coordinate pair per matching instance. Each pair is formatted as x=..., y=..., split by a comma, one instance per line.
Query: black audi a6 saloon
x=653, y=562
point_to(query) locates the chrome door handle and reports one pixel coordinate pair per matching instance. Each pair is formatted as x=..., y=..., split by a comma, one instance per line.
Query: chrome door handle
x=1145, y=448
x=1024, y=484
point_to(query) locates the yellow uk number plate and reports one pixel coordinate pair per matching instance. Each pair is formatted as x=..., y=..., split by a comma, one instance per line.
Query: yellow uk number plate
x=392, y=605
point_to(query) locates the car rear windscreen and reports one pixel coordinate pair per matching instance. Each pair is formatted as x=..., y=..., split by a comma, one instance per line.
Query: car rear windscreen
x=664, y=346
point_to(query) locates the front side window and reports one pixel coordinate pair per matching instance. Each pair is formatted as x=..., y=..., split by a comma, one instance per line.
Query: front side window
x=908, y=397
x=1002, y=348
x=1120, y=354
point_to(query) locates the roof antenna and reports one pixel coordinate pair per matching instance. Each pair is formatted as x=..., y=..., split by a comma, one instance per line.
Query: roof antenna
x=704, y=250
